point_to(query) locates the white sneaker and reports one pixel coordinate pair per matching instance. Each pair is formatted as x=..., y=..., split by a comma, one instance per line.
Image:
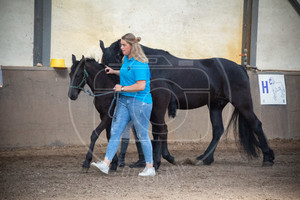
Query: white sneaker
x=102, y=166
x=148, y=171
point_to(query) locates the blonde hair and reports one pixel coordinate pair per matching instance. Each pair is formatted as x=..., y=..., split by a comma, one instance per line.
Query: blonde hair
x=136, y=49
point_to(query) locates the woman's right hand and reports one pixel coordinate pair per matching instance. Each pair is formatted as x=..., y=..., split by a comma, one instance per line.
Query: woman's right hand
x=109, y=70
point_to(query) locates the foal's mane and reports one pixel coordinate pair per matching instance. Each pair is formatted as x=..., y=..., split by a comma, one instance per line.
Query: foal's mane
x=91, y=60
x=101, y=66
x=94, y=62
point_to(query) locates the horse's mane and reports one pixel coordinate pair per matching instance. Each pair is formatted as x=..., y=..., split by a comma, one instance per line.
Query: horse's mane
x=101, y=66
x=90, y=60
x=93, y=61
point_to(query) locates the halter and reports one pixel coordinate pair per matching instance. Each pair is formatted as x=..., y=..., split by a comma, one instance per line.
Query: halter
x=116, y=94
x=84, y=81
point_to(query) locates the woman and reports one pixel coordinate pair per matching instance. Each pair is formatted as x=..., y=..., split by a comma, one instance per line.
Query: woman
x=135, y=103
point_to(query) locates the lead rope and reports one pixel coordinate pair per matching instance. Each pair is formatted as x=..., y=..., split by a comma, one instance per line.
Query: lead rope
x=116, y=98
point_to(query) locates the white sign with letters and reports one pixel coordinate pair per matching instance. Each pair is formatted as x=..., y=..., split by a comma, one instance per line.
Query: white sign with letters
x=272, y=89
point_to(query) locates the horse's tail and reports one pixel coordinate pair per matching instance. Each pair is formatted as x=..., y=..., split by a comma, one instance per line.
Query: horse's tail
x=172, y=106
x=245, y=133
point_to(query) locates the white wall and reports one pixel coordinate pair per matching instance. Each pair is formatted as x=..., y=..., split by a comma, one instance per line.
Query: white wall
x=16, y=32
x=188, y=29
x=278, y=40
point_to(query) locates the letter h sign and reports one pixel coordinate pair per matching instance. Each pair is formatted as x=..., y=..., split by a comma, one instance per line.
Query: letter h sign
x=272, y=89
x=264, y=85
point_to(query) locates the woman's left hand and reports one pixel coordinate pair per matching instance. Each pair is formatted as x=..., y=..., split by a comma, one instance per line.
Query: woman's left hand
x=118, y=88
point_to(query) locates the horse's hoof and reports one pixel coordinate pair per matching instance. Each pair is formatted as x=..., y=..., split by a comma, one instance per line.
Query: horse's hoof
x=86, y=164
x=170, y=159
x=267, y=164
x=122, y=165
x=84, y=170
x=156, y=165
x=200, y=157
x=268, y=160
x=203, y=162
x=198, y=162
x=113, y=167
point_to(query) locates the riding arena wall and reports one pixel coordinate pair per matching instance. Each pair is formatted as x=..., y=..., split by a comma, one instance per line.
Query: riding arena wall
x=36, y=111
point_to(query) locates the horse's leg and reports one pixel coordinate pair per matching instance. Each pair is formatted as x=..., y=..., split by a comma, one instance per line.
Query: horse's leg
x=160, y=145
x=94, y=137
x=255, y=124
x=215, y=110
x=156, y=146
x=268, y=159
x=249, y=123
x=159, y=128
x=165, y=151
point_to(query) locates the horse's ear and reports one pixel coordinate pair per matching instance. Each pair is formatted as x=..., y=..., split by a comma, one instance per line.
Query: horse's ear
x=102, y=45
x=73, y=58
x=82, y=57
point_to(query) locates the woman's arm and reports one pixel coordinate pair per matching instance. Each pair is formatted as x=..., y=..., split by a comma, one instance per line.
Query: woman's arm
x=138, y=86
x=109, y=70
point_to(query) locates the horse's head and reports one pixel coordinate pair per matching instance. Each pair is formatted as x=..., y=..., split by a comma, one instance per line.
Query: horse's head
x=77, y=78
x=112, y=56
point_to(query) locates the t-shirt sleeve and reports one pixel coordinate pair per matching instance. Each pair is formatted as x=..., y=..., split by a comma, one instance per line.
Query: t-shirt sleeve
x=141, y=71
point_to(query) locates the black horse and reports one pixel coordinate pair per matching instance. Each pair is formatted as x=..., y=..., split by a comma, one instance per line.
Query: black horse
x=187, y=84
x=88, y=71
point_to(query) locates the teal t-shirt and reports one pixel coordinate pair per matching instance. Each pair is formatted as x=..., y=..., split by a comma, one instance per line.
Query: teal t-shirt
x=133, y=71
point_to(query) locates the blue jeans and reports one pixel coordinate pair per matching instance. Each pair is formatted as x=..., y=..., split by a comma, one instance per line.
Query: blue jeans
x=139, y=113
x=126, y=132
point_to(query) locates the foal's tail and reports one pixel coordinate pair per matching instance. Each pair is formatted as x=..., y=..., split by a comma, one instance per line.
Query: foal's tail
x=246, y=134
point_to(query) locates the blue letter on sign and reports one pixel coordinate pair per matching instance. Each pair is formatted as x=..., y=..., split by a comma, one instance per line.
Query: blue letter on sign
x=265, y=86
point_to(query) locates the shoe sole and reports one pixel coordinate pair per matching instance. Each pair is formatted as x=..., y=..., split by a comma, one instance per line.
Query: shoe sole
x=147, y=175
x=95, y=167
